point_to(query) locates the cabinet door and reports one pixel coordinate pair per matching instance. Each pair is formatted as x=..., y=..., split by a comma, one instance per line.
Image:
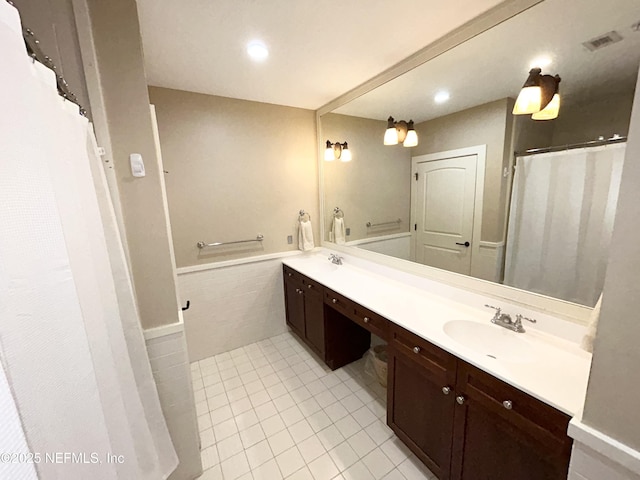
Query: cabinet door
x=523, y=439
x=420, y=411
x=294, y=305
x=314, y=321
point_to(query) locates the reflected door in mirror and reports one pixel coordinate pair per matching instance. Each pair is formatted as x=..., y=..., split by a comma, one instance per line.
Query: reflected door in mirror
x=445, y=201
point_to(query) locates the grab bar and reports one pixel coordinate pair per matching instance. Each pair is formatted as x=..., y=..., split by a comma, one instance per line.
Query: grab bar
x=202, y=245
x=398, y=221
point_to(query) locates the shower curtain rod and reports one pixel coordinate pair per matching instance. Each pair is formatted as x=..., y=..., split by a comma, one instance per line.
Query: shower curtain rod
x=571, y=146
x=34, y=51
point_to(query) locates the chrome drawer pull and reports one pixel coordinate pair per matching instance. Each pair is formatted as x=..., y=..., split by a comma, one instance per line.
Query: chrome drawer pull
x=508, y=404
x=335, y=300
x=460, y=399
x=366, y=319
x=416, y=349
x=446, y=390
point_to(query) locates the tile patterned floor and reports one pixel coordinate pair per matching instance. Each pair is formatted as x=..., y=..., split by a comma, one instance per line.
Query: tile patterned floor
x=272, y=410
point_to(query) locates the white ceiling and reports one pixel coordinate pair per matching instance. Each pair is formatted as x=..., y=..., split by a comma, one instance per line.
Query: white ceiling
x=495, y=64
x=318, y=49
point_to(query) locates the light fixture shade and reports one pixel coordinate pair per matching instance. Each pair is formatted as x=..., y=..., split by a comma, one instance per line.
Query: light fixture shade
x=530, y=98
x=328, y=155
x=549, y=112
x=391, y=134
x=346, y=153
x=411, y=140
x=528, y=101
x=328, y=152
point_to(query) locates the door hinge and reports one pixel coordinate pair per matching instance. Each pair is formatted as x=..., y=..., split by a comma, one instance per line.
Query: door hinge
x=415, y=227
x=416, y=175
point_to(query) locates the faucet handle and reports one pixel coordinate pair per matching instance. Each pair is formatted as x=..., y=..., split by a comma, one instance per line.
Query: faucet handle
x=497, y=309
x=522, y=317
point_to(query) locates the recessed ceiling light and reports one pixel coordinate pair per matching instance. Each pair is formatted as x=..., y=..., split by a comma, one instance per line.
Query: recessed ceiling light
x=441, y=97
x=541, y=62
x=258, y=51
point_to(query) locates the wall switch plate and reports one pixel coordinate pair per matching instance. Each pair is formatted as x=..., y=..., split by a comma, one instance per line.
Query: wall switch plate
x=290, y=239
x=137, y=165
x=348, y=232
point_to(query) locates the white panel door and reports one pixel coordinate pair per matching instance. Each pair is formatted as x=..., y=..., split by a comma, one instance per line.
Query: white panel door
x=445, y=204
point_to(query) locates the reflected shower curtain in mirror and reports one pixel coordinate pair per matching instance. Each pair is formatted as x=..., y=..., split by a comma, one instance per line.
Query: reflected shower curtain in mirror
x=75, y=378
x=562, y=211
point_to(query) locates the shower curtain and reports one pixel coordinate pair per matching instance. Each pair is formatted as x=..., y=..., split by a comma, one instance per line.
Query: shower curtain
x=77, y=395
x=562, y=211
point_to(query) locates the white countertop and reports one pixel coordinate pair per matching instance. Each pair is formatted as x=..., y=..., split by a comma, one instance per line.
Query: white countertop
x=555, y=372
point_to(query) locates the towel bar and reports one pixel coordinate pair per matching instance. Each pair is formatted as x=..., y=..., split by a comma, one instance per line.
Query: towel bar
x=202, y=245
x=369, y=224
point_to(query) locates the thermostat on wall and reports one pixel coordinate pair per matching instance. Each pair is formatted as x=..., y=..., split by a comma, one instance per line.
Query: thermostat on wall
x=137, y=165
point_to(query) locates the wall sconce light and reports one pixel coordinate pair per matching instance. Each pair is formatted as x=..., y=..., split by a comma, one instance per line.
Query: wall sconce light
x=539, y=96
x=400, y=131
x=335, y=151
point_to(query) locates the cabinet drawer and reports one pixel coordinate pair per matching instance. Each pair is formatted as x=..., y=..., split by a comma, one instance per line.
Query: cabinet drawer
x=340, y=303
x=373, y=322
x=438, y=362
x=291, y=275
x=311, y=286
x=542, y=422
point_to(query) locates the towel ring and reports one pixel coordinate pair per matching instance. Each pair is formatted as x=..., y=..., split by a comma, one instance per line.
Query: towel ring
x=303, y=216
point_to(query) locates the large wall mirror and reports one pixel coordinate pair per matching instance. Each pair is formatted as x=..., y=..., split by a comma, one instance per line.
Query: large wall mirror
x=501, y=197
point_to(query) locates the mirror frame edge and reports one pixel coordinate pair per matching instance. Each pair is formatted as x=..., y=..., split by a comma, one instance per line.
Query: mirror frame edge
x=560, y=308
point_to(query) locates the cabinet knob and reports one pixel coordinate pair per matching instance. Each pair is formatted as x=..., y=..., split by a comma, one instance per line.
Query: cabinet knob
x=297, y=290
x=289, y=274
x=335, y=300
x=460, y=399
x=366, y=319
x=300, y=292
x=416, y=349
x=446, y=390
x=309, y=286
x=508, y=404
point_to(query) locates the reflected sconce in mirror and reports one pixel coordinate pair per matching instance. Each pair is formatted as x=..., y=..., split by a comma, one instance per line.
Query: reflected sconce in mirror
x=539, y=96
x=337, y=151
x=400, y=132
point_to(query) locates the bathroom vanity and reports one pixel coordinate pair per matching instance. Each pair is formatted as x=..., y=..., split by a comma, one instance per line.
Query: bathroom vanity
x=465, y=413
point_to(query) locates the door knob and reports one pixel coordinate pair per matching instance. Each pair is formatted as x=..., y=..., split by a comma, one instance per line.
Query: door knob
x=446, y=390
x=465, y=244
x=460, y=399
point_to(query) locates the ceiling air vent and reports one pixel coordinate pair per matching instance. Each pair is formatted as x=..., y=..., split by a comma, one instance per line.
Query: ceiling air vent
x=603, y=41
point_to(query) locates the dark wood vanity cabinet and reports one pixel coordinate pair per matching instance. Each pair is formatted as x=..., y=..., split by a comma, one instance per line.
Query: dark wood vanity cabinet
x=461, y=422
x=465, y=424
x=294, y=301
x=501, y=433
x=421, y=398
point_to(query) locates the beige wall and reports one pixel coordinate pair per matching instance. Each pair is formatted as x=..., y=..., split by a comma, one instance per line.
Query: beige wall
x=123, y=85
x=236, y=169
x=375, y=186
x=585, y=122
x=614, y=385
x=53, y=23
x=488, y=124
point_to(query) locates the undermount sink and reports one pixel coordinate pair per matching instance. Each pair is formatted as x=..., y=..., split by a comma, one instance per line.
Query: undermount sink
x=490, y=340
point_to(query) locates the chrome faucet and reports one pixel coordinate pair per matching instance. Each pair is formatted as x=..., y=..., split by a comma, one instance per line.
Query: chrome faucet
x=505, y=320
x=335, y=259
